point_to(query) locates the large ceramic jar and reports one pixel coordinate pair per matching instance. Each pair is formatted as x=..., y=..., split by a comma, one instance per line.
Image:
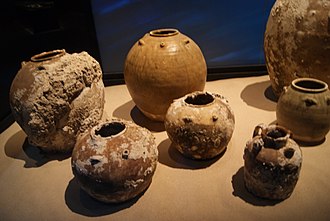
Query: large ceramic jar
x=55, y=96
x=297, y=42
x=162, y=66
x=115, y=160
x=304, y=108
x=272, y=163
x=200, y=124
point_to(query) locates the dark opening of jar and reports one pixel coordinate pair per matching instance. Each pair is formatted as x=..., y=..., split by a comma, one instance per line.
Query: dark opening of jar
x=199, y=99
x=276, y=133
x=47, y=55
x=310, y=85
x=110, y=129
x=288, y=153
x=163, y=32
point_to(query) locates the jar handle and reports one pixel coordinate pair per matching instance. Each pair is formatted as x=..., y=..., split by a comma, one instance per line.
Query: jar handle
x=258, y=130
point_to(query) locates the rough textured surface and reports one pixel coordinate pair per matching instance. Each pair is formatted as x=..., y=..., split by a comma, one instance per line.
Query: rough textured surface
x=200, y=124
x=297, y=41
x=162, y=66
x=272, y=162
x=57, y=96
x=115, y=160
x=304, y=108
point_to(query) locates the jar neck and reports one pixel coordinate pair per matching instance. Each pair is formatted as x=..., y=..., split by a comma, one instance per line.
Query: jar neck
x=309, y=85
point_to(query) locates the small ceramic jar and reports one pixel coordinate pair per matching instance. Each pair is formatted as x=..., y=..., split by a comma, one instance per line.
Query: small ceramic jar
x=115, y=160
x=200, y=124
x=272, y=163
x=304, y=108
x=56, y=96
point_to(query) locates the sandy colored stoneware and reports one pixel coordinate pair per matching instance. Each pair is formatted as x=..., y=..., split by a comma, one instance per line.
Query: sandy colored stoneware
x=163, y=65
x=272, y=163
x=115, y=160
x=297, y=42
x=200, y=124
x=55, y=96
x=304, y=108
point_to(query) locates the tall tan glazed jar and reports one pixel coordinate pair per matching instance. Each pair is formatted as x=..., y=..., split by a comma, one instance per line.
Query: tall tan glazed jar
x=297, y=42
x=162, y=66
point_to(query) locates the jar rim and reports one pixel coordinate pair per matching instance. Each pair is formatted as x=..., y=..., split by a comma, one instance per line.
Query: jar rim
x=164, y=32
x=48, y=55
x=109, y=129
x=199, y=99
x=310, y=85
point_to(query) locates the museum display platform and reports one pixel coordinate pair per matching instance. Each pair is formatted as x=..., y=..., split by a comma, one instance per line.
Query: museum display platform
x=35, y=186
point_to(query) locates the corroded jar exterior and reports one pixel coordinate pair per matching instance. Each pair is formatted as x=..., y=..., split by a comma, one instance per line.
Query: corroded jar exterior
x=297, y=42
x=55, y=96
x=272, y=163
x=162, y=66
x=200, y=124
x=115, y=160
x=304, y=108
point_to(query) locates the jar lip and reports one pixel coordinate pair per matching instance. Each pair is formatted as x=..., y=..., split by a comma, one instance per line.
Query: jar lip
x=164, y=32
x=310, y=85
x=48, y=55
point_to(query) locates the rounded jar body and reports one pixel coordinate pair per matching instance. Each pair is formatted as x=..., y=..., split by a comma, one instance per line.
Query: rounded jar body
x=55, y=96
x=296, y=42
x=162, y=66
x=200, y=124
x=272, y=163
x=115, y=160
x=304, y=108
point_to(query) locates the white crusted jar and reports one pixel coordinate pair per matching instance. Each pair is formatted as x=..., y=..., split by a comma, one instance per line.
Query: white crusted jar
x=115, y=160
x=200, y=124
x=55, y=96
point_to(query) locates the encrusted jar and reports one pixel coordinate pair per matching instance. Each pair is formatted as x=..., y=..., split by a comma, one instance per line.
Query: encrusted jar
x=55, y=96
x=304, y=108
x=200, y=124
x=272, y=163
x=115, y=160
x=163, y=65
x=297, y=42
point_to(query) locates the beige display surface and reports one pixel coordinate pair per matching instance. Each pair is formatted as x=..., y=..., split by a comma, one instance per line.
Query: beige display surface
x=38, y=187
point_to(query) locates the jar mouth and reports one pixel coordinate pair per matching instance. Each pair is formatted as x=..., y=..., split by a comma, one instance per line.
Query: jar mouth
x=165, y=32
x=275, y=136
x=310, y=85
x=48, y=55
x=199, y=99
x=109, y=129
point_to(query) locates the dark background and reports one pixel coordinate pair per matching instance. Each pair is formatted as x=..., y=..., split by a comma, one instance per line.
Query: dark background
x=230, y=33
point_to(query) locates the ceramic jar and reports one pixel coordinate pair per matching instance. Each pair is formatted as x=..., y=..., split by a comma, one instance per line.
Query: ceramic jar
x=200, y=124
x=304, y=108
x=272, y=163
x=115, y=160
x=55, y=96
x=297, y=42
x=162, y=66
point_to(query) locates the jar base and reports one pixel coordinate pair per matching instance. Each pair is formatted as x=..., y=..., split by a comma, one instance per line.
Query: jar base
x=154, y=117
x=307, y=141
